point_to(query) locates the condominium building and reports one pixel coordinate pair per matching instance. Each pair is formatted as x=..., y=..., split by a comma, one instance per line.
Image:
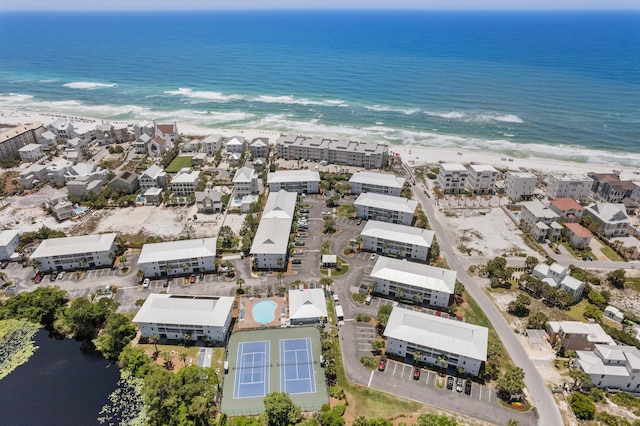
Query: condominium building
x=71, y=253
x=385, y=208
x=424, y=284
x=611, y=220
x=178, y=257
x=567, y=186
x=9, y=240
x=520, y=185
x=398, y=240
x=482, y=179
x=14, y=138
x=300, y=181
x=379, y=183
x=434, y=338
x=452, y=178
x=245, y=182
x=31, y=152
x=370, y=155
x=205, y=319
x=270, y=248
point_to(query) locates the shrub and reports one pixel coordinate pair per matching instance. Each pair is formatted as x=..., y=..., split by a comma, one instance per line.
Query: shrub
x=582, y=406
x=363, y=318
x=369, y=362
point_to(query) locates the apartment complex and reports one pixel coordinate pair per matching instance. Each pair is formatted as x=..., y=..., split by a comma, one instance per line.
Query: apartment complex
x=379, y=183
x=520, y=185
x=300, y=181
x=482, y=179
x=9, y=240
x=566, y=186
x=386, y=208
x=71, y=253
x=14, y=138
x=452, y=178
x=398, y=240
x=178, y=257
x=270, y=248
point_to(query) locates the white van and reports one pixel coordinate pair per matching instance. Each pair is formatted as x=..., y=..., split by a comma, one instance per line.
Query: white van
x=335, y=298
x=368, y=300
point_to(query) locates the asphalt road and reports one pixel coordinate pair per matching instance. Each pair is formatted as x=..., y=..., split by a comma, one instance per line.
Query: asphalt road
x=545, y=405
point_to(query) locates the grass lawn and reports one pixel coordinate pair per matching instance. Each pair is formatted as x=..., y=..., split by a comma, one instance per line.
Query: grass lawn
x=334, y=273
x=609, y=252
x=192, y=352
x=576, y=311
x=347, y=211
x=633, y=283
x=178, y=163
x=574, y=253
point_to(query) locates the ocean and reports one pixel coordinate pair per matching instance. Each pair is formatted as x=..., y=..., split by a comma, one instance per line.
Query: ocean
x=563, y=85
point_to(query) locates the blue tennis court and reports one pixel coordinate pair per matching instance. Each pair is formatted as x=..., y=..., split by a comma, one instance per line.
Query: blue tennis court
x=296, y=368
x=252, y=370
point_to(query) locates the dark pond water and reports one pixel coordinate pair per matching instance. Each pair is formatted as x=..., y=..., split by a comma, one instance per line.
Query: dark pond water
x=64, y=383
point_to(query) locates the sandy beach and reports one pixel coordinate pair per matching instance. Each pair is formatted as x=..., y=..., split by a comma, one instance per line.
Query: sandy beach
x=412, y=155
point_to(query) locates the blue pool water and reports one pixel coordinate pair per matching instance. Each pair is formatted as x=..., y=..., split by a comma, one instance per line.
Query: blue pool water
x=78, y=210
x=264, y=311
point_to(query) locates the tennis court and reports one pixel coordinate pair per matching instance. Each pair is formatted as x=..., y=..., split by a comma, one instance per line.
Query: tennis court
x=252, y=370
x=273, y=360
x=296, y=369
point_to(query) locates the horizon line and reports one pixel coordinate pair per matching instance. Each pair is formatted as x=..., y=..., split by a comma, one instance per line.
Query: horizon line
x=353, y=9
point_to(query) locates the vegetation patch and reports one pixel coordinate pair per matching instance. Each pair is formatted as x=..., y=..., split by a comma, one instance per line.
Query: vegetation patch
x=125, y=403
x=16, y=344
x=178, y=163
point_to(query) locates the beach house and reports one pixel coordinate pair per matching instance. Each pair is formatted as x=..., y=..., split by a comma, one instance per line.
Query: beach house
x=558, y=276
x=452, y=178
x=245, y=182
x=236, y=144
x=576, y=187
x=259, y=148
x=610, y=219
x=212, y=144
x=568, y=209
x=153, y=177
x=576, y=335
x=185, y=182
x=31, y=152
x=579, y=236
x=482, y=179
x=519, y=185
x=209, y=201
x=540, y=221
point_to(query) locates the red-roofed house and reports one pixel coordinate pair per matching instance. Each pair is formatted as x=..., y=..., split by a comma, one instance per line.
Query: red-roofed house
x=168, y=132
x=157, y=146
x=567, y=208
x=579, y=236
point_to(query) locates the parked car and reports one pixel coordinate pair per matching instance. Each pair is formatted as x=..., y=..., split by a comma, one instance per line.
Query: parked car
x=467, y=387
x=459, y=384
x=53, y=276
x=383, y=363
x=296, y=261
x=201, y=276
x=61, y=275
x=299, y=243
x=450, y=383
x=146, y=282
x=166, y=282
x=301, y=236
x=416, y=373
x=368, y=300
x=192, y=279
x=373, y=257
x=108, y=288
x=358, y=221
x=4, y=264
x=38, y=277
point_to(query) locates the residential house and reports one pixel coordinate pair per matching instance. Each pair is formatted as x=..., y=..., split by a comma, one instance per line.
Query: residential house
x=520, y=185
x=63, y=129
x=397, y=240
x=452, y=178
x=577, y=336
x=31, y=152
x=9, y=241
x=141, y=143
x=559, y=277
x=248, y=201
x=270, y=248
x=301, y=181
x=86, y=186
x=540, y=221
x=61, y=208
x=212, y=144
x=259, y=148
x=579, y=236
x=168, y=132
x=205, y=319
x=121, y=133
x=568, y=209
x=199, y=159
x=610, y=219
x=86, y=132
x=146, y=127
x=612, y=367
x=236, y=144
x=185, y=182
x=47, y=139
x=209, y=201
x=126, y=182
x=307, y=306
x=182, y=257
x=386, y=208
x=380, y=183
x=458, y=344
x=57, y=170
x=245, y=182
x=33, y=175
x=82, y=170
x=423, y=284
x=614, y=314
x=482, y=179
x=370, y=155
x=105, y=134
x=635, y=194
x=71, y=253
x=609, y=188
x=153, y=196
x=14, y=138
x=153, y=177
x=568, y=186
x=158, y=146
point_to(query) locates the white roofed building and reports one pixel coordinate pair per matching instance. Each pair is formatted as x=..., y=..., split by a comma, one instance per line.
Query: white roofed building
x=380, y=183
x=71, y=253
x=236, y=144
x=14, y=138
x=245, y=182
x=31, y=152
x=185, y=182
x=153, y=177
x=270, y=248
x=9, y=240
x=540, y=220
x=611, y=220
x=567, y=186
x=413, y=281
x=57, y=170
x=259, y=148
x=395, y=239
x=482, y=179
x=520, y=185
x=463, y=345
x=180, y=257
x=558, y=276
x=577, y=336
x=307, y=306
x=300, y=181
x=612, y=366
x=385, y=208
x=33, y=175
x=212, y=144
x=452, y=178
x=206, y=319
x=47, y=139
x=209, y=201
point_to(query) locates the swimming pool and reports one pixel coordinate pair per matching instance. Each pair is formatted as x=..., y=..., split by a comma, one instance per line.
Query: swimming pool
x=264, y=311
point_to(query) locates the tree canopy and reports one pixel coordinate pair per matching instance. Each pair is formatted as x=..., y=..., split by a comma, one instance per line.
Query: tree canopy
x=280, y=409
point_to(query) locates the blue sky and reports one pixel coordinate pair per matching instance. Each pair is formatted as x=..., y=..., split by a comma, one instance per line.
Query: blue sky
x=317, y=4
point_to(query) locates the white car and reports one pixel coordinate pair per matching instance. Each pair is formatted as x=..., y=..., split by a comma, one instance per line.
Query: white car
x=372, y=257
x=61, y=275
x=146, y=282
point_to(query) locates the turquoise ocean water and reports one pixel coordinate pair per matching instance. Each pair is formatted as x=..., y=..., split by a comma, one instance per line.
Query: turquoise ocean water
x=563, y=84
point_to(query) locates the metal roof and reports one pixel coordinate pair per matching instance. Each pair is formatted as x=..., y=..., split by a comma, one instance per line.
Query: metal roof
x=381, y=179
x=182, y=249
x=308, y=303
x=74, y=245
x=415, y=274
x=397, y=232
x=185, y=310
x=386, y=202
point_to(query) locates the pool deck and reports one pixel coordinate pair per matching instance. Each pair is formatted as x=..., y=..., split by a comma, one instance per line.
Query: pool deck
x=247, y=302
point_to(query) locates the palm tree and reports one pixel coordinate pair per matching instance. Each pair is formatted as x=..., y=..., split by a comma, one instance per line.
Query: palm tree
x=186, y=337
x=417, y=356
x=167, y=269
x=123, y=260
x=280, y=262
x=166, y=356
x=442, y=362
x=154, y=340
x=280, y=276
x=240, y=282
x=183, y=358
x=417, y=298
x=185, y=266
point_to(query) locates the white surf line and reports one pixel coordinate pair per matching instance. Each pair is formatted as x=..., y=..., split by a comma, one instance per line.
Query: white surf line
x=370, y=378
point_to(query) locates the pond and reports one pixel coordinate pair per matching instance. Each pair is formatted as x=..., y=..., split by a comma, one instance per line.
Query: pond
x=65, y=382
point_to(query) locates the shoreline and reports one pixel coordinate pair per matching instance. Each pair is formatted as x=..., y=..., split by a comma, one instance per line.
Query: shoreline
x=413, y=155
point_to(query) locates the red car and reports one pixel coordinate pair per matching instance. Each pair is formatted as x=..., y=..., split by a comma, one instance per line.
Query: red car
x=416, y=373
x=38, y=277
x=383, y=363
x=192, y=279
